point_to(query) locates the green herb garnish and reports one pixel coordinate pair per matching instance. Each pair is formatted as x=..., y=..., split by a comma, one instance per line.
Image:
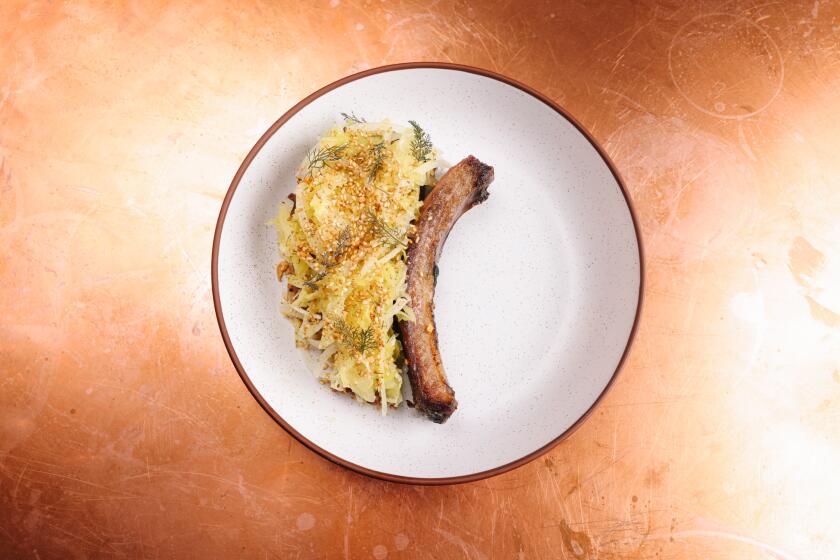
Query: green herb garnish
x=421, y=145
x=385, y=231
x=378, y=156
x=319, y=157
x=329, y=259
x=352, y=118
x=360, y=340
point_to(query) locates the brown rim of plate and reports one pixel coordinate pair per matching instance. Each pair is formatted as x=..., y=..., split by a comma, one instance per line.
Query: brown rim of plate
x=273, y=413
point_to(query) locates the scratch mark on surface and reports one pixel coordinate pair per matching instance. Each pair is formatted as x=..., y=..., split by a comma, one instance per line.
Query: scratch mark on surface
x=92, y=545
x=74, y=479
x=469, y=550
x=742, y=140
x=348, y=521
x=17, y=484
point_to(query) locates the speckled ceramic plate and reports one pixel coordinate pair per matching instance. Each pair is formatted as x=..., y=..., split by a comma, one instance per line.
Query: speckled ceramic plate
x=537, y=299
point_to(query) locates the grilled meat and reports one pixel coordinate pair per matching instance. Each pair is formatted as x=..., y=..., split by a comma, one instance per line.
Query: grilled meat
x=460, y=188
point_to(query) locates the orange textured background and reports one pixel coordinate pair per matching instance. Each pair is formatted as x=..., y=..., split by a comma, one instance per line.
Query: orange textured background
x=124, y=429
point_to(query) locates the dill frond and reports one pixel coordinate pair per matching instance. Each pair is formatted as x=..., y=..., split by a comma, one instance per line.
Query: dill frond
x=378, y=156
x=384, y=230
x=421, y=145
x=329, y=259
x=352, y=118
x=319, y=157
x=360, y=340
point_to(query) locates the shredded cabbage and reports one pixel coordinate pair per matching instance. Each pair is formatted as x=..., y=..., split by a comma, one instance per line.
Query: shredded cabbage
x=344, y=241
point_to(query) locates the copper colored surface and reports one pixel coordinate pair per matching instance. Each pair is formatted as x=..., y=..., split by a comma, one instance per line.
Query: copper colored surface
x=124, y=429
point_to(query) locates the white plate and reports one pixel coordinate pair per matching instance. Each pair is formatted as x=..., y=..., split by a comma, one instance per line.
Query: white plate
x=538, y=295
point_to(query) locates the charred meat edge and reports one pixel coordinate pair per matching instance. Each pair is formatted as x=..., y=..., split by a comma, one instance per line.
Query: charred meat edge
x=460, y=188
